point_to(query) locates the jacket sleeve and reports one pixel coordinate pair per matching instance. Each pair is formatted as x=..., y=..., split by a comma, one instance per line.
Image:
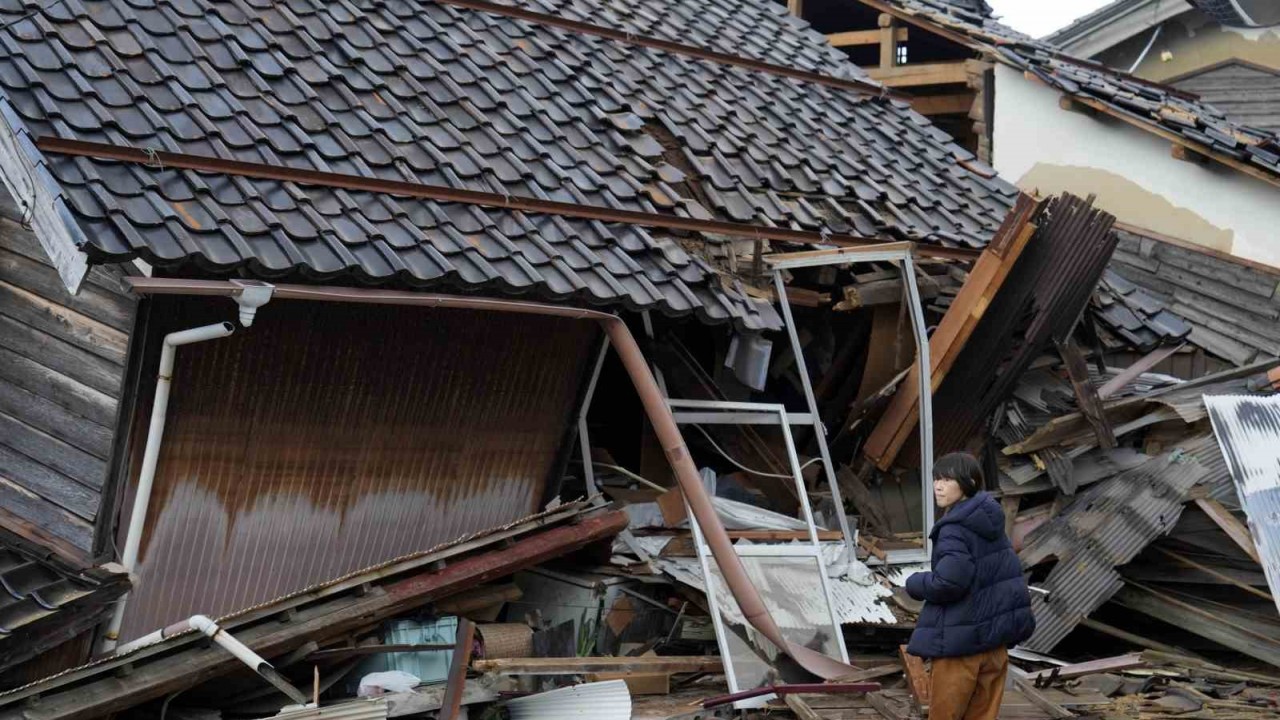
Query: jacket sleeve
x=952, y=572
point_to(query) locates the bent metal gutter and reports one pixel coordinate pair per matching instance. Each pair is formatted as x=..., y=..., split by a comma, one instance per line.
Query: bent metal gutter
x=651, y=397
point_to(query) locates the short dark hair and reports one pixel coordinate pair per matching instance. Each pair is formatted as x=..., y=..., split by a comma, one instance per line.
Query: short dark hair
x=963, y=468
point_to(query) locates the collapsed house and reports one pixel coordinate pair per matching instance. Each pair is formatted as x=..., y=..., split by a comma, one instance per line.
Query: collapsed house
x=375, y=272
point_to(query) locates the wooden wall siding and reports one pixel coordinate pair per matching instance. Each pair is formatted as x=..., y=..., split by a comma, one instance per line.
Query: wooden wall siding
x=330, y=437
x=1248, y=94
x=62, y=360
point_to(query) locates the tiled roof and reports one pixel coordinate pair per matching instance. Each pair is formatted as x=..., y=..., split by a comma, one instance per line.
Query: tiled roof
x=1158, y=108
x=436, y=94
x=36, y=596
x=1229, y=308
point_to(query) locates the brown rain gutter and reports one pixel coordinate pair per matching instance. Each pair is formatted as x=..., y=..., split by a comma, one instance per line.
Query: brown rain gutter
x=651, y=397
x=160, y=159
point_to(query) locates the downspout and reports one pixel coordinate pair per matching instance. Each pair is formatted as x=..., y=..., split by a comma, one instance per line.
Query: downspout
x=651, y=397
x=150, y=457
x=203, y=624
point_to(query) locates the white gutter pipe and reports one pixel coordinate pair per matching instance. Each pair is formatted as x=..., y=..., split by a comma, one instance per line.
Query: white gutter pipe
x=201, y=623
x=155, y=433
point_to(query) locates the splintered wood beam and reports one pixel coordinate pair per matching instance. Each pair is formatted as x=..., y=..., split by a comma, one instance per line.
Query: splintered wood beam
x=451, y=705
x=953, y=104
x=1086, y=393
x=917, y=678
x=863, y=37
x=944, y=73
x=1230, y=525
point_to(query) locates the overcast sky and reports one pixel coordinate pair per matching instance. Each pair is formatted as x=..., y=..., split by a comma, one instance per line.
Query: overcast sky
x=1038, y=18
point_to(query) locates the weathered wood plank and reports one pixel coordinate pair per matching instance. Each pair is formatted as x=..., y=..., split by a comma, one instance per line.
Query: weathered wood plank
x=55, y=420
x=1230, y=525
x=60, y=389
x=61, y=357
x=48, y=483
x=944, y=73
x=15, y=238
x=1086, y=394
x=42, y=522
x=52, y=452
x=64, y=323
x=92, y=301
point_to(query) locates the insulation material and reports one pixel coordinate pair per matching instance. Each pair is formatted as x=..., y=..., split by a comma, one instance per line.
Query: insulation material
x=1248, y=430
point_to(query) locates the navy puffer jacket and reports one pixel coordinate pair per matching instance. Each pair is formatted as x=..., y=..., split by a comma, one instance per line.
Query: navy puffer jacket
x=975, y=598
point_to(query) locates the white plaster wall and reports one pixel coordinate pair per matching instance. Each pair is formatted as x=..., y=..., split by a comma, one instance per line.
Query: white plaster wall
x=1038, y=143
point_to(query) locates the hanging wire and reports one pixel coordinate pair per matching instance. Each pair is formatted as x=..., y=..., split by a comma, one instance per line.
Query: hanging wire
x=744, y=468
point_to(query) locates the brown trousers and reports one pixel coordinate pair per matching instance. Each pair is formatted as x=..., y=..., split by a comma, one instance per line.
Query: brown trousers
x=969, y=687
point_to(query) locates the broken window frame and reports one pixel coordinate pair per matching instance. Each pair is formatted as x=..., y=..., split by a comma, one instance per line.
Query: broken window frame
x=756, y=413
x=901, y=253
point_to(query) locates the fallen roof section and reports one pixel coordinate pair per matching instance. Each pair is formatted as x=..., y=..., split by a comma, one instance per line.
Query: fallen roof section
x=323, y=611
x=1248, y=429
x=43, y=604
x=1105, y=527
x=471, y=96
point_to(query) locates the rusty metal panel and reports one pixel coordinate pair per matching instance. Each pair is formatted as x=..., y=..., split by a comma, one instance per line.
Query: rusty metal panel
x=328, y=438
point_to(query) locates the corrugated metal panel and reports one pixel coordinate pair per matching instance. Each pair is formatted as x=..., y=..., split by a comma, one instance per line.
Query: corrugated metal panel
x=369, y=709
x=1105, y=527
x=331, y=437
x=598, y=701
x=853, y=603
x=1248, y=429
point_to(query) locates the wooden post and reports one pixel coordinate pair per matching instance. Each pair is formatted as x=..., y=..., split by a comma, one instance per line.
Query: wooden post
x=795, y=7
x=457, y=684
x=888, y=42
x=1086, y=393
x=917, y=678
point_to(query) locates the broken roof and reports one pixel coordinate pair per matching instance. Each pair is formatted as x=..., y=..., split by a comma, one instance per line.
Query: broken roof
x=43, y=604
x=1166, y=111
x=468, y=95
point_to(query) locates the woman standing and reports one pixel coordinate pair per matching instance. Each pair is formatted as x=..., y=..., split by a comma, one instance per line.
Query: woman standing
x=976, y=604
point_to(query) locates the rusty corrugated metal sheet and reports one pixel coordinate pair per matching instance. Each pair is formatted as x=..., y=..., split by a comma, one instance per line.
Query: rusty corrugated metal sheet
x=1046, y=291
x=1248, y=429
x=331, y=437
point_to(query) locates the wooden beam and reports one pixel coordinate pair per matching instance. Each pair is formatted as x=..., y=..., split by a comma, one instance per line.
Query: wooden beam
x=1224, y=629
x=953, y=104
x=1111, y=664
x=1070, y=104
x=944, y=73
x=1130, y=637
x=970, y=305
x=456, y=686
x=888, y=42
x=917, y=678
x=863, y=37
x=1186, y=154
x=578, y=665
x=1231, y=525
x=795, y=7
x=1086, y=394
x=1215, y=573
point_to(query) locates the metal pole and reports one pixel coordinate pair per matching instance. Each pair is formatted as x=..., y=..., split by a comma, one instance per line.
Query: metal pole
x=819, y=429
x=926, y=397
